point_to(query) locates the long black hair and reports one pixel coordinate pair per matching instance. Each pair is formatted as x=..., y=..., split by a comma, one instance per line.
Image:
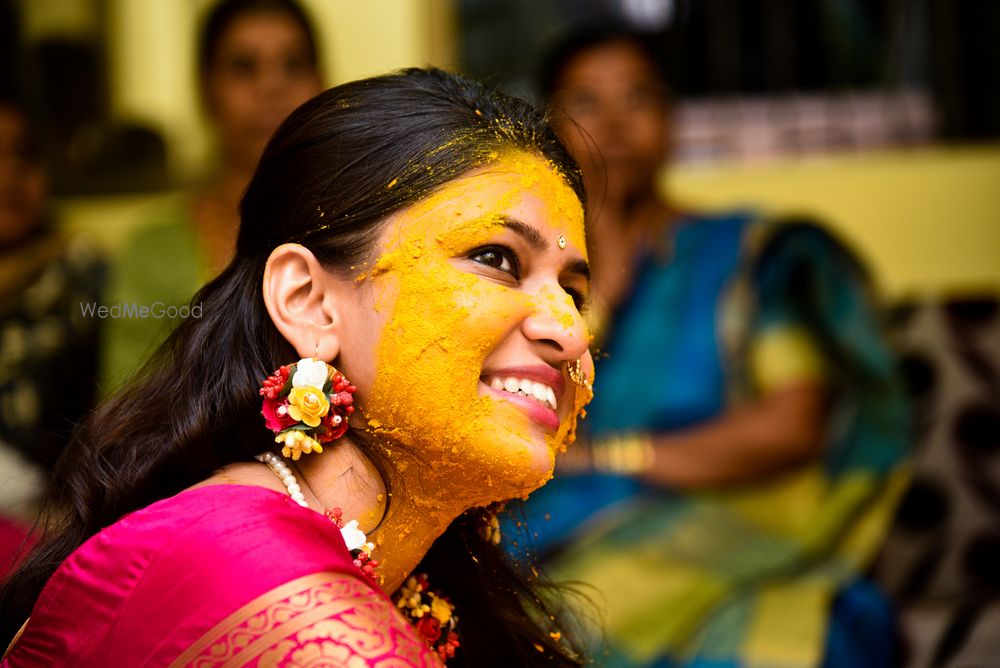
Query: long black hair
x=335, y=169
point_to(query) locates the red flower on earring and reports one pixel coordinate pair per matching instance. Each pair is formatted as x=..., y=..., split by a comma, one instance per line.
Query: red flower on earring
x=306, y=404
x=276, y=417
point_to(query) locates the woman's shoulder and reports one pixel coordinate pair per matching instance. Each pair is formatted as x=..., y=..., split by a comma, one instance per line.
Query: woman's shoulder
x=158, y=578
x=797, y=236
x=327, y=618
x=712, y=232
x=159, y=257
x=169, y=235
x=235, y=525
x=213, y=534
x=707, y=222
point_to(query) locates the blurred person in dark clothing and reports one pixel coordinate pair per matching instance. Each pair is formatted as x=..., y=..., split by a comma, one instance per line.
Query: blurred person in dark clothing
x=48, y=346
x=746, y=444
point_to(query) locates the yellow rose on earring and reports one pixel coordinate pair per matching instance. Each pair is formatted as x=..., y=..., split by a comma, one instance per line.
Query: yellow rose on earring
x=296, y=442
x=307, y=405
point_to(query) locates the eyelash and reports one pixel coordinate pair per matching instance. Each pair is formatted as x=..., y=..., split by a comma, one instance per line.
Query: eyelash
x=578, y=299
x=505, y=253
x=511, y=257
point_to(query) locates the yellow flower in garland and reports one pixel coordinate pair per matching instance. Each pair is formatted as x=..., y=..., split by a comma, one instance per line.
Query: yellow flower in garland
x=307, y=405
x=296, y=442
x=410, y=600
x=440, y=608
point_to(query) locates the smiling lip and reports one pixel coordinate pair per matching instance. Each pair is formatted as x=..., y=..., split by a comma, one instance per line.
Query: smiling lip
x=541, y=373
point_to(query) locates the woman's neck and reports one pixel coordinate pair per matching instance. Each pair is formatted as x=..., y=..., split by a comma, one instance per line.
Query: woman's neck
x=403, y=530
x=216, y=215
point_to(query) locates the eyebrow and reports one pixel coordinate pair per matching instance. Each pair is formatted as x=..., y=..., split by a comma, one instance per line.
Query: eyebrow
x=538, y=243
x=530, y=234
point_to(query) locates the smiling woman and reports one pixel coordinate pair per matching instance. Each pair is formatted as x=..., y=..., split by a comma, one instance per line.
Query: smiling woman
x=411, y=261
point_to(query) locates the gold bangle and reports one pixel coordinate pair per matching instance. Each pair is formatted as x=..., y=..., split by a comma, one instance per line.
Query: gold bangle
x=623, y=454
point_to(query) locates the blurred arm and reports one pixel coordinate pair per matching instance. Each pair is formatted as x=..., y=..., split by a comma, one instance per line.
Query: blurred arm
x=783, y=428
x=784, y=425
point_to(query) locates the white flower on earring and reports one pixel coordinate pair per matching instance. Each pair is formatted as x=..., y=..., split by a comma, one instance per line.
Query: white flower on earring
x=353, y=536
x=310, y=372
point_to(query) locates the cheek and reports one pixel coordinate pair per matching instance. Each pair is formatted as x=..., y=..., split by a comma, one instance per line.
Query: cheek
x=440, y=327
x=35, y=191
x=303, y=88
x=650, y=136
x=426, y=397
x=230, y=103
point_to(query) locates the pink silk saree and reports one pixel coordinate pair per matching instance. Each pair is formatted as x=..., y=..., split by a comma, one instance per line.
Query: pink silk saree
x=222, y=575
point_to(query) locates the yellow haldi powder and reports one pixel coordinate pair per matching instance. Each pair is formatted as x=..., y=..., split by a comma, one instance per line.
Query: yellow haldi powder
x=444, y=320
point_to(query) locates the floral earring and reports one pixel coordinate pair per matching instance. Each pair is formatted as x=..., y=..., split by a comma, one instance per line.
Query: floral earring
x=306, y=404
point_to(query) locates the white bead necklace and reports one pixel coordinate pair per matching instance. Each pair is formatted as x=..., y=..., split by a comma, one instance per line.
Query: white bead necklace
x=286, y=476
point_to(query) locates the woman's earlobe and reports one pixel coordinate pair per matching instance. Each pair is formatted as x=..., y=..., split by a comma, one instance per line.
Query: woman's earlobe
x=296, y=294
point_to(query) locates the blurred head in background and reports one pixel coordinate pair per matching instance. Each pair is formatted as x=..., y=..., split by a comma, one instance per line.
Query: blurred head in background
x=23, y=182
x=257, y=62
x=611, y=105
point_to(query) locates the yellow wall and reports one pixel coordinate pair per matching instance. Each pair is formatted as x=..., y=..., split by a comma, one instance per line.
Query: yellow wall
x=928, y=221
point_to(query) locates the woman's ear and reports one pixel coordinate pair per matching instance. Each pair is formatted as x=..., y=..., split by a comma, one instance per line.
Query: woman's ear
x=300, y=298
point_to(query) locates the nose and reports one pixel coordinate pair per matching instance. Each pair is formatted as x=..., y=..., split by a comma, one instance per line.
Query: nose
x=613, y=123
x=556, y=325
x=271, y=77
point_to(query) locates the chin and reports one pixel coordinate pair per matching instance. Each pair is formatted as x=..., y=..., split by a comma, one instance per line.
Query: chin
x=525, y=465
x=538, y=469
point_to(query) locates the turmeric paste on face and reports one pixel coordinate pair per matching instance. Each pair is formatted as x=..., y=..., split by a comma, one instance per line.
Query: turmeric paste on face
x=442, y=321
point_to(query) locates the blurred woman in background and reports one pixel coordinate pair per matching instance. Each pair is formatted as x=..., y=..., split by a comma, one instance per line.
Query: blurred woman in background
x=257, y=61
x=746, y=439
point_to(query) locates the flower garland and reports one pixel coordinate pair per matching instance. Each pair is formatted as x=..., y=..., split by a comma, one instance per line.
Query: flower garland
x=433, y=615
x=306, y=404
x=358, y=545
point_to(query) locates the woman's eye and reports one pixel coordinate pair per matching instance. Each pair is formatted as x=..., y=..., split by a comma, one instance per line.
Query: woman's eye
x=296, y=65
x=498, y=257
x=241, y=66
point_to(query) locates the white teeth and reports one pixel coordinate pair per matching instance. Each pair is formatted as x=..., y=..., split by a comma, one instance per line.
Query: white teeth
x=526, y=388
x=540, y=392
